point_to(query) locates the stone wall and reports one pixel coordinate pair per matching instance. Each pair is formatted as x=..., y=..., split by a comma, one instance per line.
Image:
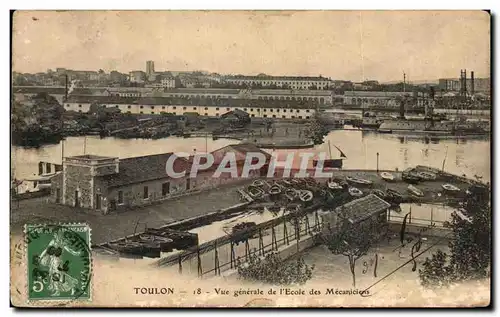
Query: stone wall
x=77, y=178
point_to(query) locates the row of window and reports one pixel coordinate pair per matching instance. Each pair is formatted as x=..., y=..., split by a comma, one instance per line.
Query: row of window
x=252, y=115
x=206, y=108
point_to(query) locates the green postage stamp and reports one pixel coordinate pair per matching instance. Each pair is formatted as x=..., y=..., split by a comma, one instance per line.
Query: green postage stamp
x=59, y=262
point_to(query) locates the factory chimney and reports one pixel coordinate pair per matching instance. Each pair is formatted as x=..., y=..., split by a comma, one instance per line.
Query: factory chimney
x=472, y=90
x=66, y=87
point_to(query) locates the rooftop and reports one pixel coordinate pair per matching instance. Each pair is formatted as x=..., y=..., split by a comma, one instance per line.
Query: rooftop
x=363, y=208
x=278, y=78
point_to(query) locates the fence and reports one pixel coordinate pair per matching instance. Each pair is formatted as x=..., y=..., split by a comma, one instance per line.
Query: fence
x=227, y=252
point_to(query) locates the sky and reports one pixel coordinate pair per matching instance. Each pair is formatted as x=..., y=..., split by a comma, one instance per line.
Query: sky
x=344, y=45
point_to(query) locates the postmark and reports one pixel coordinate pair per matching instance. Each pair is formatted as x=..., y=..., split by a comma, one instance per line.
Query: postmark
x=59, y=262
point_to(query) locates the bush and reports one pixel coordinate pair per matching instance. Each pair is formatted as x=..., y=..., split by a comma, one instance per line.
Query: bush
x=273, y=270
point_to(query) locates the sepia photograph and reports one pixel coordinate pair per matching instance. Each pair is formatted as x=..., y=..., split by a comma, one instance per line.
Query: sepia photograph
x=239, y=158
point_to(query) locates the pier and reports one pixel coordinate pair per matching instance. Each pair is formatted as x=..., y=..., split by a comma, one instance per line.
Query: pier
x=290, y=233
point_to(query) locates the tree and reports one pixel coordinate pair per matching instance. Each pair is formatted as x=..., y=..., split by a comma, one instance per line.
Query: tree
x=470, y=246
x=350, y=240
x=275, y=271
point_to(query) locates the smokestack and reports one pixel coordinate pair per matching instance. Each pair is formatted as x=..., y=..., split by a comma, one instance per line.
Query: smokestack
x=472, y=90
x=402, y=108
x=66, y=88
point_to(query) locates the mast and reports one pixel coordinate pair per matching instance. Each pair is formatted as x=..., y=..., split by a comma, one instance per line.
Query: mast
x=329, y=149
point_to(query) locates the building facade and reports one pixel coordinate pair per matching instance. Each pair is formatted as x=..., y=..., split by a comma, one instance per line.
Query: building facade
x=453, y=84
x=383, y=98
x=281, y=81
x=137, y=76
x=106, y=184
x=203, y=107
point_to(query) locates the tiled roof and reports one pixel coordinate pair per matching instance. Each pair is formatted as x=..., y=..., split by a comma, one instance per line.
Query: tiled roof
x=144, y=168
x=362, y=208
x=203, y=91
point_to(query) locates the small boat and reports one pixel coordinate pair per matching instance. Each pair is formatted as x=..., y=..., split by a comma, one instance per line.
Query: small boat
x=287, y=182
x=411, y=179
x=181, y=239
x=334, y=186
x=128, y=247
x=291, y=193
x=258, y=183
x=306, y=195
x=379, y=193
x=394, y=195
x=255, y=192
x=358, y=180
x=387, y=176
x=450, y=188
x=165, y=243
x=242, y=232
x=415, y=191
x=428, y=176
x=353, y=191
x=275, y=190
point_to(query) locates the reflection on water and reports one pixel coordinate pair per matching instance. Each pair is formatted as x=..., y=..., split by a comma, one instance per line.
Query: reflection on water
x=465, y=156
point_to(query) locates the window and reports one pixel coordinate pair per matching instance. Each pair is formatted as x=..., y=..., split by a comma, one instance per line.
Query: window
x=307, y=117
x=174, y=107
x=297, y=111
x=165, y=189
x=163, y=107
x=120, y=197
x=244, y=109
x=216, y=108
x=194, y=108
x=283, y=117
x=67, y=105
x=142, y=112
x=79, y=111
x=265, y=116
x=293, y=117
x=152, y=107
x=152, y=112
x=277, y=110
x=206, y=108
x=251, y=109
x=184, y=108
x=129, y=107
x=253, y=115
x=79, y=106
x=216, y=114
x=265, y=110
x=142, y=107
x=228, y=109
x=271, y=110
x=300, y=117
x=129, y=111
x=206, y=114
x=274, y=116
x=145, y=194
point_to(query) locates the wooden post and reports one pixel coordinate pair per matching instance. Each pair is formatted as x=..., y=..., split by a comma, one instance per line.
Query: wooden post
x=261, y=242
x=216, y=258
x=200, y=269
x=180, y=265
x=285, y=233
x=232, y=255
x=274, y=243
x=247, y=250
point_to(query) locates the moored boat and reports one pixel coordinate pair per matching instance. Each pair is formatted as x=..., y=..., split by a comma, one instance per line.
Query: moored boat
x=450, y=188
x=275, y=190
x=255, y=192
x=427, y=176
x=306, y=195
x=165, y=243
x=258, y=183
x=394, y=195
x=291, y=193
x=359, y=181
x=379, y=193
x=353, y=191
x=387, y=176
x=415, y=191
x=334, y=186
